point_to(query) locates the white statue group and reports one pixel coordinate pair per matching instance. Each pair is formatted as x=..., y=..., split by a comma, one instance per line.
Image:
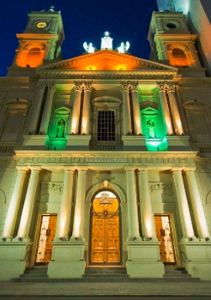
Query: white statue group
x=107, y=43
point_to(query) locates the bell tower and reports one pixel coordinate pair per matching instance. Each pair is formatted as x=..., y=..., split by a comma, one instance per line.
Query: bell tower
x=41, y=40
x=172, y=42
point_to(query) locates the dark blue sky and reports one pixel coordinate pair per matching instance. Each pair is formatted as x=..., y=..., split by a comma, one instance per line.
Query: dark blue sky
x=84, y=20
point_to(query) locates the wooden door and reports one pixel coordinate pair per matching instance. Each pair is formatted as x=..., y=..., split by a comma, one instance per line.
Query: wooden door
x=105, y=240
x=47, y=234
x=164, y=235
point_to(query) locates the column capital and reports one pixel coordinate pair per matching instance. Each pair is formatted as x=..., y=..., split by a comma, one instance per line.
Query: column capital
x=125, y=86
x=70, y=169
x=177, y=170
x=130, y=169
x=170, y=87
x=51, y=87
x=35, y=168
x=134, y=86
x=87, y=86
x=22, y=168
x=81, y=169
x=161, y=86
x=142, y=169
x=78, y=86
x=191, y=169
x=41, y=86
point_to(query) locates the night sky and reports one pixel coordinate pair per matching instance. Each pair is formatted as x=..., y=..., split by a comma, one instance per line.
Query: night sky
x=84, y=20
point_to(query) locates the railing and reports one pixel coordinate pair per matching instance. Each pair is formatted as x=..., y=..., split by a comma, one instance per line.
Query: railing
x=7, y=149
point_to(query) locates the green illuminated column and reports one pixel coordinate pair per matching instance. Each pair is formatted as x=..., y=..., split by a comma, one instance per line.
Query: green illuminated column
x=136, y=110
x=37, y=109
x=78, y=233
x=187, y=227
x=76, y=108
x=28, y=207
x=86, y=109
x=196, y=205
x=66, y=205
x=47, y=110
x=174, y=109
x=14, y=205
x=127, y=127
x=133, y=223
x=165, y=109
x=146, y=206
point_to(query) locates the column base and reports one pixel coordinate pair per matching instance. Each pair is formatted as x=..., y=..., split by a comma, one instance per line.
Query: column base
x=67, y=260
x=197, y=258
x=144, y=260
x=14, y=258
x=78, y=142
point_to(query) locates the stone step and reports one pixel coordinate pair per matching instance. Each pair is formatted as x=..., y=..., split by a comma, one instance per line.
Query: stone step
x=105, y=271
x=178, y=275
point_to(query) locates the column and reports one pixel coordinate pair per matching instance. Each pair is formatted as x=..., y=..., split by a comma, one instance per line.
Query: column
x=136, y=110
x=165, y=109
x=37, y=109
x=86, y=109
x=28, y=207
x=133, y=222
x=79, y=206
x=127, y=127
x=47, y=110
x=174, y=110
x=187, y=227
x=14, y=205
x=66, y=205
x=196, y=204
x=146, y=206
x=76, y=108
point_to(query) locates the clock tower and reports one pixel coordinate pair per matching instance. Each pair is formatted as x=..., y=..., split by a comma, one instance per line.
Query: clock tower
x=41, y=39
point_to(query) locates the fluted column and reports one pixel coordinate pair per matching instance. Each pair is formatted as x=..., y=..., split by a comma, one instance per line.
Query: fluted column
x=47, y=110
x=146, y=206
x=187, y=227
x=86, y=109
x=37, y=109
x=23, y=231
x=14, y=206
x=76, y=108
x=133, y=222
x=79, y=206
x=196, y=203
x=66, y=205
x=136, y=110
x=174, y=110
x=165, y=109
x=127, y=126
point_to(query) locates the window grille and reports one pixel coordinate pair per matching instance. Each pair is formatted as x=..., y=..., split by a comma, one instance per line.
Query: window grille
x=106, y=126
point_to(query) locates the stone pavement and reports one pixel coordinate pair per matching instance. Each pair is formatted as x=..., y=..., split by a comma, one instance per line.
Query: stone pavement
x=119, y=290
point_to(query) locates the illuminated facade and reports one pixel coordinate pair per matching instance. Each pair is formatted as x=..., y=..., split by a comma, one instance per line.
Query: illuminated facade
x=105, y=157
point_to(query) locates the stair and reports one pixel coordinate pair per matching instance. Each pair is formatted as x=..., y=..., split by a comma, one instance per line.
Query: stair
x=119, y=274
x=178, y=275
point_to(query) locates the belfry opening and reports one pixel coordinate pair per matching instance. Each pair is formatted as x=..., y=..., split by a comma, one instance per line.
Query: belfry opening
x=105, y=229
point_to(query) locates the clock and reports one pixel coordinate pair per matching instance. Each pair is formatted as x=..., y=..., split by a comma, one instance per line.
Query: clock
x=41, y=25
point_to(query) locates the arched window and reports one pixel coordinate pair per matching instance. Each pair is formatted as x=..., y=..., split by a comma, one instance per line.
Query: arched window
x=179, y=58
x=34, y=57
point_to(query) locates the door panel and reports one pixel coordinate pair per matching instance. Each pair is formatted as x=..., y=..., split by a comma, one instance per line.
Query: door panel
x=164, y=235
x=47, y=234
x=105, y=241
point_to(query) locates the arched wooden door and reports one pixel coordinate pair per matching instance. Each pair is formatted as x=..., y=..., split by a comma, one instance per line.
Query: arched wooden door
x=105, y=229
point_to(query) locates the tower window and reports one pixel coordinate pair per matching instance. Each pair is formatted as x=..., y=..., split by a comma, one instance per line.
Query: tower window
x=179, y=58
x=34, y=57
x=106, y=126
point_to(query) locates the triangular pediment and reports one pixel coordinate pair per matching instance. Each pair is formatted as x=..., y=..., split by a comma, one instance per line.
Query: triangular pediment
x=106, y=60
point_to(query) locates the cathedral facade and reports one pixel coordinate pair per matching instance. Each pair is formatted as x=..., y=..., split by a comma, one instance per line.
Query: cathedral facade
x=105, y=158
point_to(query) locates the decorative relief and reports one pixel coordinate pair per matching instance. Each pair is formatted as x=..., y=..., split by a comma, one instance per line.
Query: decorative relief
x=168, y=87
x=105, y=160
x=161, y=187
x=52, y=188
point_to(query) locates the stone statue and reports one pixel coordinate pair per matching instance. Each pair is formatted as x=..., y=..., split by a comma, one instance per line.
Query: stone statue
x=151, y=128
x=106, y=41
x=60, y=129
x=89, y=47
x=123, y=47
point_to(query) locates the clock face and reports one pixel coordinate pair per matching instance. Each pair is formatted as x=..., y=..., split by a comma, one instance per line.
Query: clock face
x=41, y=24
